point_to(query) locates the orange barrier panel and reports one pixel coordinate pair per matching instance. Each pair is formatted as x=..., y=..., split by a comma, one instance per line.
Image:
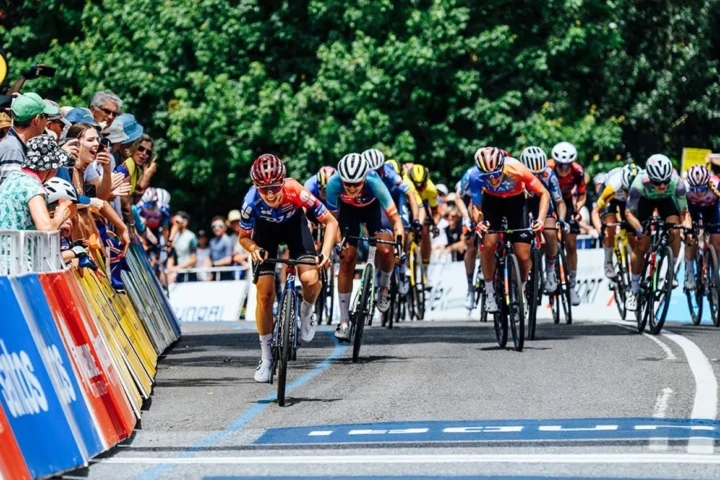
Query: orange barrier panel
x=12, y=463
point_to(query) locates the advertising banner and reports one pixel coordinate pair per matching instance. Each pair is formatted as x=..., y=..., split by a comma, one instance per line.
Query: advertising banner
x=12, y=463
x=29, y=398
x=208, y=301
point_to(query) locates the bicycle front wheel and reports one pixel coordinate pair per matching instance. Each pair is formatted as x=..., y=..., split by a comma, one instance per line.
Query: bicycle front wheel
x=532, y=292
x=564, y=287
x=662, y=289
x=321, y=299
x=363, y=310
x=287, y=327
x=695, y=297
x=712, y=283
x=419, y=288
x=621, y=285
x=516, y=306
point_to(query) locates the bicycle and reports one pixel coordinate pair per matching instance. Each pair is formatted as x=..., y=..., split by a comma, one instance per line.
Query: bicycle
x=508, y=290
x=286, y=325
x=363, y=304
x=388, y=317
x=533, y=290
x=417, y=281
x=707, y=282
x=561, y=296
x=620, y=285
x=325, y=303
x=656, y=283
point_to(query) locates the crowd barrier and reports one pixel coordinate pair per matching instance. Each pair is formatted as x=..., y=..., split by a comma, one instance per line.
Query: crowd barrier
x=77, y=359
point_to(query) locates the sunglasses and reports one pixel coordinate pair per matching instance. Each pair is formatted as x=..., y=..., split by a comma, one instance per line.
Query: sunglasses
x=274, y=189
x=109, y=112
x=659, y=184
x=701, y=189
x=142, y=149
x=563, y=166
x=353, y=185
x=492, y=176
x=218, y=226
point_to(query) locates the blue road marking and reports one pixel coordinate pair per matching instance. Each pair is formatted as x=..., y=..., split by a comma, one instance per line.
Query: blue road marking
x=494, y=430
x=253, y=411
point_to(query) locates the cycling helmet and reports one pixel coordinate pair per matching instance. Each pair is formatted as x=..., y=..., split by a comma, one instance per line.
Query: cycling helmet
x=163, y=197
x=564, y=152
x=489, y=159
x=419, y=176
x=150, y=195
x=659, y=168
x=600, y=178
x=267, y=170
x=324, y=174
x=59, y=189
x=698, y=176
x=395, y=165
x=374, y=157
x=353, y=168
x=629, y=172
x=407, y=167
x=442, y=189
x=534, y=158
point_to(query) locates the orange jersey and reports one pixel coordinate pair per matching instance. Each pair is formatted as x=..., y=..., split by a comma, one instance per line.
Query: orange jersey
x=517, y=179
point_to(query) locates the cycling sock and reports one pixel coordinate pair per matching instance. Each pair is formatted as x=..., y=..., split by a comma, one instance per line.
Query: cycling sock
x=689, y=266
x=344, y=306
x=403, y=269
x=573, y=274
x=385, y=279
x=550, y=262
x=635, y=282
x=489, y=287
x=265, y=341
x=470, y=280
x=306, y=309
x=608, y=254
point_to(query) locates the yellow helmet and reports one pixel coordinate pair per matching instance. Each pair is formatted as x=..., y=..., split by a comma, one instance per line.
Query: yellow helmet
x=419, y=176
x=395, y=165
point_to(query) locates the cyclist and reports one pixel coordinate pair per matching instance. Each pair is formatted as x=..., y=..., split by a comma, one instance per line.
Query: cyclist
x=702, y=197
x=420, y=177
x=535, y=159
x=659, y=186
x=272, y=214
x=499, y=191
x=317, y=184
x=463, y=200
x=360, y=196
x=157, y=220
x=611, y=204
x=572, y=180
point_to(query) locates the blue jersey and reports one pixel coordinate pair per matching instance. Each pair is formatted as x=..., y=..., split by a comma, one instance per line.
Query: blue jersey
x=393, y=182
x=549, y=179
x=373, y=189
x=312, y=186
x=464, y=190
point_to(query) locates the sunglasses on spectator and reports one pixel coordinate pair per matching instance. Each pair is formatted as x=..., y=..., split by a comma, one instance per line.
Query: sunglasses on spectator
x=493, y=175
x=142, y=149
x=109, y=112
x=218, y=226
x=274, y=189
x=660, y=184
x=353, y=185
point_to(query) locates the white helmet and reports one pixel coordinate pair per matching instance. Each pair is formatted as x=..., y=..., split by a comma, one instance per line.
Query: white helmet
x=659, y=168
x=629, y=173
x=374, y=157
x=59, y=189
x=534, y=158
x=564, y=152
x=353, y=168
x=698, y=176
x=163, y=197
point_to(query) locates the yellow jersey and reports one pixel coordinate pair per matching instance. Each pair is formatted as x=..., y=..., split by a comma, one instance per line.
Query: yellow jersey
x=428, y=194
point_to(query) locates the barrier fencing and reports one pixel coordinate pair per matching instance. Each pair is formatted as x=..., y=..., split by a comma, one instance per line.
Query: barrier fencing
x=77, y=359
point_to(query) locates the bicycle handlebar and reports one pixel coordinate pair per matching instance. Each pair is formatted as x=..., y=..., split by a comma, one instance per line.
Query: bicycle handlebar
x=397, y=244
x=287, y=261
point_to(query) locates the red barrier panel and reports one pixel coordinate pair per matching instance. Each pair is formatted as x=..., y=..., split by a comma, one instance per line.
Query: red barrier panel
x=12, y=463
x=92, y=360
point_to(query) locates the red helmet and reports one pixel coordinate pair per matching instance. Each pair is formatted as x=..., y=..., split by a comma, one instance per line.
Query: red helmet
x=267, y=169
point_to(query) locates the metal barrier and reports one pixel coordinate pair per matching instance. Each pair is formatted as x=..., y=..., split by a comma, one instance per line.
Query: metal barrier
x=29, y=251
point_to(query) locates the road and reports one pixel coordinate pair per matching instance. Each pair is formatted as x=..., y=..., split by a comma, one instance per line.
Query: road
x=439, y=399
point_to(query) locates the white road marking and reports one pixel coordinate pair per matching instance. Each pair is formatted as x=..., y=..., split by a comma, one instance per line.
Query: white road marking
x=660, y=444
x=669, y=355
x=706, y=395
x=596, y=458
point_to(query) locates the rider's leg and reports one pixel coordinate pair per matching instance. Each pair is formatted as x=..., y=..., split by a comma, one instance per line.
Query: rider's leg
x=348, y=259
x=609, y=240
x=264, y=310
x=636, y=261
x=425, y=249
x=674, y=235
x=386, y=259
x=571, y=251
x=522, y=252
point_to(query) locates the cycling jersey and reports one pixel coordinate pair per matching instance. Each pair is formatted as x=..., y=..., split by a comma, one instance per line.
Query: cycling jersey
x=517, y=178
x=155, y=217
x=429, y=194
x=573, y=182
x=464, y=188
x=642, y=188
x=294, y=197
x=550, y=181
x=708, y=197
x=393, y=181
x=373, y=189
x=313, y=186
x=612, y=189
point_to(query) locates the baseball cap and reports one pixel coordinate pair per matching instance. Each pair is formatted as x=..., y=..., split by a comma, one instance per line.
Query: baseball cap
x=234, y=215
x=5, y=120
x=81, y=115
x=30, y=105
x=131, y=127
x=57, y=117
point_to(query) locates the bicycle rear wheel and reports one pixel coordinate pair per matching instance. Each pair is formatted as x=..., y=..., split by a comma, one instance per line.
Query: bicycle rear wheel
x=516, y=307
x=712, y=283
x=500, y=319
x=642, y=297
x=321, y=299
x=388, y=316
x=362, y=310
x=695, y=297
x=621, y=285
x=419, y=288
x=565, y=287
x=662, y=289
x=287, y=327
x=532, y=292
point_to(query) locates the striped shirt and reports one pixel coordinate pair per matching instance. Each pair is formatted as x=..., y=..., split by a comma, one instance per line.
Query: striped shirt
x=12, y=154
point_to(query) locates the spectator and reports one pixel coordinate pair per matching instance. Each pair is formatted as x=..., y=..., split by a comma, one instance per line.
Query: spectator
x=221, y=248
x=5, y=124
x=57, y=125
x=105, y=108
x=240, y=256
x=203, y=254
x=454, y=233
x=93, y=163
x=22, y=195
x=186, y=245
x=145, y=159
x=29, y=114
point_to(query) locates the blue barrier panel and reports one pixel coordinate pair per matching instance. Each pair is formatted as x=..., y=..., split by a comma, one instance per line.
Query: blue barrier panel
x=678, y=309
x=28, y=397
x=31, y=297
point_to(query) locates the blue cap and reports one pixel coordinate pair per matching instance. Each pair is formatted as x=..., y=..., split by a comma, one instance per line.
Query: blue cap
x=81, y=115
x=131, y=127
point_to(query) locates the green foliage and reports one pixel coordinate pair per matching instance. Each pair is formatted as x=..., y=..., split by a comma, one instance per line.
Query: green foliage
x=428, y=81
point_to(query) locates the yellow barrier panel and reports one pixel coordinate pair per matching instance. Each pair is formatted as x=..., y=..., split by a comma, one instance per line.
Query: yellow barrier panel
x=693, y=156
x=128, y=381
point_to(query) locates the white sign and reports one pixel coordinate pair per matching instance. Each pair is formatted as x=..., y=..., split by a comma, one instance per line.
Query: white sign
x=208, y=301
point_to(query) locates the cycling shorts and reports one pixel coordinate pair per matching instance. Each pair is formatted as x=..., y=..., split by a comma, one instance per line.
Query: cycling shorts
x=666, y=208
x=294, y=232
x=613, y=207
x=534, y=207
x=403, y=211
x=514, y=208
x=710, y=216
x=351, y=217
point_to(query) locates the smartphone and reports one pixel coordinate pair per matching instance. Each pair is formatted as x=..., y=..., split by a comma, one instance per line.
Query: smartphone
x=104, y=145
x=6, y=101
x=45, y=71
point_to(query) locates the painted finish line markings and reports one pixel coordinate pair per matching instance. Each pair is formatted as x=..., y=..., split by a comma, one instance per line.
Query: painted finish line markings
x=495, y=430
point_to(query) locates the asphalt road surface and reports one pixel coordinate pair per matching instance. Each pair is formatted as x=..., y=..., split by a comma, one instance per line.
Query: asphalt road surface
x=434, y=399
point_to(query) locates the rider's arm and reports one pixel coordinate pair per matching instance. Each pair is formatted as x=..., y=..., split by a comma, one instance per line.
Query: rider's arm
x=412, y=201
x=681, y=196
x=462, y=208
x=532, y=184
x=331, y=232
x=247, y=223
x=382, y=194
x=430, y=195
x=632, y=203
